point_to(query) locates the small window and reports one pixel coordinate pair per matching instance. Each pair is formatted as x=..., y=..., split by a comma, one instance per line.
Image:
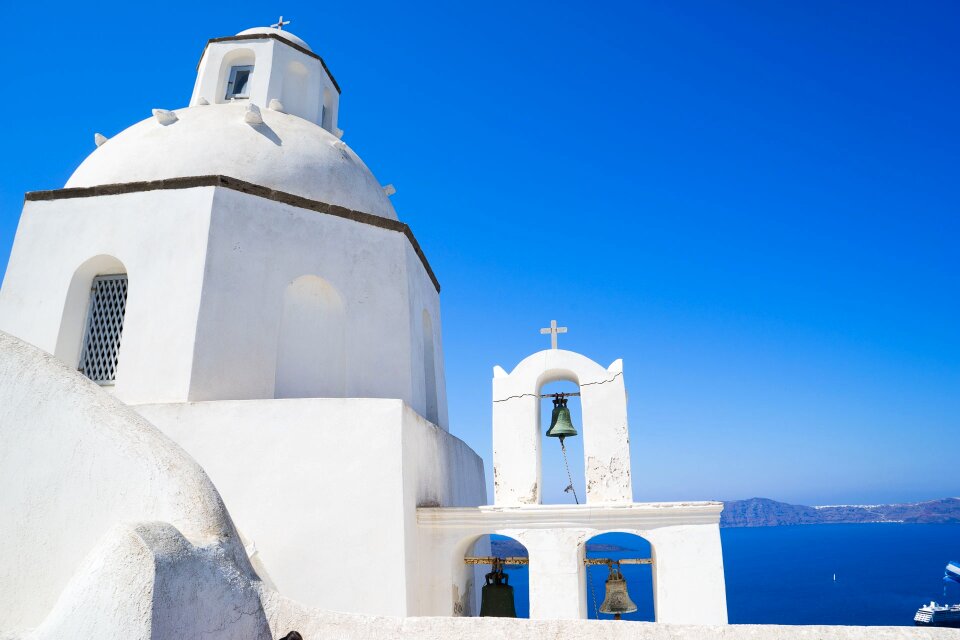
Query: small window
x=101, y=341
x=239, y=82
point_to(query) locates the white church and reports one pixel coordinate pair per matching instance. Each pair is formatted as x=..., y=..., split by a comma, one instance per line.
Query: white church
x=223, y=411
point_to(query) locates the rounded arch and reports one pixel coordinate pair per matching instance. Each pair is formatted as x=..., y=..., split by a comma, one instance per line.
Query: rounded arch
x=73, y=320
x=562, y=464
x=470, y=578
x=517, y=427
x=234, y=58
x=311, y=351
x=621, y=544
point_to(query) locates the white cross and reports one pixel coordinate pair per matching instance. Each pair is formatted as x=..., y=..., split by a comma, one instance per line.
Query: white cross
x=553, y=330
x=279, y=24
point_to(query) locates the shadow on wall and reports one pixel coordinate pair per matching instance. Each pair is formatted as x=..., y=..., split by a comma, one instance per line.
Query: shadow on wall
x=430, y=370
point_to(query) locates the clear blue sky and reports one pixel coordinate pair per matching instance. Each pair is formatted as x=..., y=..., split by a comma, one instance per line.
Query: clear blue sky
x=755, y=204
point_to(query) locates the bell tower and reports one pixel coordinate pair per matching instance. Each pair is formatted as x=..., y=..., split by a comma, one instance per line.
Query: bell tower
x=517, y=429
x=270, y=68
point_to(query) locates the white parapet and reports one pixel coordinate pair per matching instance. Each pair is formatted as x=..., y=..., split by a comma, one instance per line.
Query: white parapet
x=684, y=538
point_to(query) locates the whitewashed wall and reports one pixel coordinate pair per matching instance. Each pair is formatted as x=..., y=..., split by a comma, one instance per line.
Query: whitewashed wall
x=159, y=237
x=74, y=463
x=325, y=490
x=684, y=540
x=208, y=271
x=299, y=81
x=284, y=615
x=517, y=432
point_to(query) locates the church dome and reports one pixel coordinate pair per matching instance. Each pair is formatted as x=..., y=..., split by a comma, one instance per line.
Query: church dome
x=286, y=35
x=285, y=153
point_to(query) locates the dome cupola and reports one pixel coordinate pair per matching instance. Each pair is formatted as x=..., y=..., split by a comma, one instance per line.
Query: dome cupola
x=264, y=64
x=264, y=111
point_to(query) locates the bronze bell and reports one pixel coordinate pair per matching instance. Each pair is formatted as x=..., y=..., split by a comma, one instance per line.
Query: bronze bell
x=496, y=598
x=560, y=424
x=617, y=600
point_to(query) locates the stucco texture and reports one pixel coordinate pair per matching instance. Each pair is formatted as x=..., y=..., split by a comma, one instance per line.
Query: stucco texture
x=74, y=463
x=285, y=615
x=327, y=488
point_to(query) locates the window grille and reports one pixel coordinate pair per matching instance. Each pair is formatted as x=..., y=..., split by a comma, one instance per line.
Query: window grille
x=101, y=342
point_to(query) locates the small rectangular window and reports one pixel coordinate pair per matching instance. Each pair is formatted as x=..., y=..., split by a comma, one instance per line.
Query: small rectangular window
x=239, y=81
x=101, y=341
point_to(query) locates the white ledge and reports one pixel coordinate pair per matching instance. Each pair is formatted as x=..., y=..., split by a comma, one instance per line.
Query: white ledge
x=637, y=515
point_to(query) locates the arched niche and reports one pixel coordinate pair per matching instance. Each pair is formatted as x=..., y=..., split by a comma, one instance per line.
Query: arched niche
x=311, y=350
x=517, y=456
x=429, y=369
x=73, y=320
x=233, y=58
x=640, y=578
x=470, y=578
x=296, y=82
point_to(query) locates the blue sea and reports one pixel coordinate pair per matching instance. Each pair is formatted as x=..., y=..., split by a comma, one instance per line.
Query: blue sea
x=785, y=575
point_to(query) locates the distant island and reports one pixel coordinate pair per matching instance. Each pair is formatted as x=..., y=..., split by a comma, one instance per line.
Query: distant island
x=764, y=512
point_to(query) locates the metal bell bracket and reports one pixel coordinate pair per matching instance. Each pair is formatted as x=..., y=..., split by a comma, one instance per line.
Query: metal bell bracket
x=497, y=576
x=492, y=560
x=611, y=561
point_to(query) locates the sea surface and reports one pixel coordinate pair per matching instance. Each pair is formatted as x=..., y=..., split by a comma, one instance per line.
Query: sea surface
x=785, y=575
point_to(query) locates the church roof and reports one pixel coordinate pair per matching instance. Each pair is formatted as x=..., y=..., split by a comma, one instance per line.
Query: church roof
x=271, y=31
x=285, y=153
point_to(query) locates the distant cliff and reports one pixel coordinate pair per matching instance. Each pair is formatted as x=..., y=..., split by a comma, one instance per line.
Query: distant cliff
x=763, y=512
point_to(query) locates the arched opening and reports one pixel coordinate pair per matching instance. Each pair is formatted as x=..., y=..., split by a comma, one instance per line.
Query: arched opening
x=311, y=355
x=429, y=370
x=236, y=75
x=477, y=563
x=91, y=324
x=635, y=556
x=561, y=467
x=295, y=85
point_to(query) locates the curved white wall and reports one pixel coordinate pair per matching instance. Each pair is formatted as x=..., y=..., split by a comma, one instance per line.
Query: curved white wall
x=74, y=462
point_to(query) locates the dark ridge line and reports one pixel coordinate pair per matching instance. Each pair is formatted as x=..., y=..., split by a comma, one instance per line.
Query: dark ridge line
x=249, y=188
x=261, y=36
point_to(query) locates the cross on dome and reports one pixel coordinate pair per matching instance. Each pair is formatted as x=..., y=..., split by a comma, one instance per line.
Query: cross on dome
x=279, y=24
x=553, y=330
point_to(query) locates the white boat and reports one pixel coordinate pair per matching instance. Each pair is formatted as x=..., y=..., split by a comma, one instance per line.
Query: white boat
x=938, y=615
x=941, y=615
